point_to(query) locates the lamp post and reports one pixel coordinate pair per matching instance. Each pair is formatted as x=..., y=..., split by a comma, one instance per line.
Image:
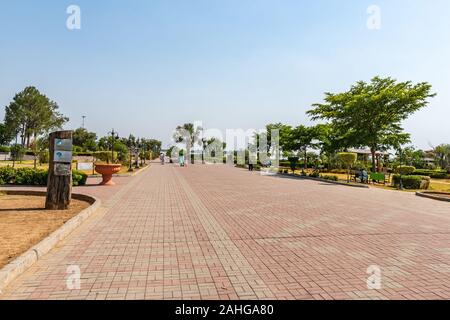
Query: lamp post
x=114, y=136
x=130, y=169
x=137, y=154
x=144, y=155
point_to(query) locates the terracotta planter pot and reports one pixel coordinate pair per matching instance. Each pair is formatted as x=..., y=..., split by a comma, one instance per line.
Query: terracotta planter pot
x=107, y=171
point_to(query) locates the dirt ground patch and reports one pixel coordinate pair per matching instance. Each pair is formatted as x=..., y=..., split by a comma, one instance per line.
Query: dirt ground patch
x=24, y=222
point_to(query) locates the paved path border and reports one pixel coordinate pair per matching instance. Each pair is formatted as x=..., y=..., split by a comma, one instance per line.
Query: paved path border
x=433, y=195
x=19, y=265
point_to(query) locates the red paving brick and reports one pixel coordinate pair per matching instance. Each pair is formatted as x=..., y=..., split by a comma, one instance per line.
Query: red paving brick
x=216, y=232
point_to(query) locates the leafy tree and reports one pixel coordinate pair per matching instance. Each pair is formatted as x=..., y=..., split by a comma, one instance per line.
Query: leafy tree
x=85, y=139
x=31, y=114
x=152, y=145
x=348, y=159
x=298, y=140
x=188, y=134
x=5, y=135
x=17, y=152
x=442, y=155
x=412, y=157
x=370, y=114
x=120, y=148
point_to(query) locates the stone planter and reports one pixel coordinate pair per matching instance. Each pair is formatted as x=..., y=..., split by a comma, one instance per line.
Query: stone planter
x=107, y=171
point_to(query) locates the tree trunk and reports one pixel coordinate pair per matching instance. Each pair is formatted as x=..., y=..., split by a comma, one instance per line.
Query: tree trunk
x=306, y=159
x=374, y=165
x=59, y=187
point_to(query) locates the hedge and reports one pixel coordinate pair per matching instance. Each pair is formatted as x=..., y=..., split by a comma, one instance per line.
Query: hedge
x=405, y=170
x=29, y=176
x=435, y=174
x=5, y=149
x=412, y=182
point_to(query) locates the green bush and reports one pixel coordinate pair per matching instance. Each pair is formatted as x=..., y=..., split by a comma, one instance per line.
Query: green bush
x=435, y=174
x=79, y=178
x=29, y=176
x=412, y=182
x=405, y=170
x=5, y=149
x=315, y=174
x=330, y=177
x=7, y=174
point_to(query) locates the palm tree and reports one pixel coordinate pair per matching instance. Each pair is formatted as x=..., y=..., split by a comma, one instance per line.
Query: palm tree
x=188, y=134
x=442, y=154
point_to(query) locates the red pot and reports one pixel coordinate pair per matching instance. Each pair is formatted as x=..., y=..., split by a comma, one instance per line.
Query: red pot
x=107, y=171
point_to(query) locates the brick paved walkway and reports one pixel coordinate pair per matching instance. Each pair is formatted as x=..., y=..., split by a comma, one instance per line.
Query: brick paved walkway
x=208, y=232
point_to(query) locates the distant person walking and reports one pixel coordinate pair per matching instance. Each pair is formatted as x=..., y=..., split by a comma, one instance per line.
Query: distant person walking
x=250, y=167
x=161, y=157
x=181, y=158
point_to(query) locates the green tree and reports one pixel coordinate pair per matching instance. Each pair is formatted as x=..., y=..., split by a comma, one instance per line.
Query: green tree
x=31, y=114
x=442, y=155
x=348, y=159
x=5, y=135
x=370, y=114
x=188, y=134
x=85, y=139
x=298, y=140
x=152, y=145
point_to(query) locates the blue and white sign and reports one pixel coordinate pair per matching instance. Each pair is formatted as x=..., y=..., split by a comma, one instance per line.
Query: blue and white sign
x=63, y=144
x=63, y=156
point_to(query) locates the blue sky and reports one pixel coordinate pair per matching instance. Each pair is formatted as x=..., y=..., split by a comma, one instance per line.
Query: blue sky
x=146, y=66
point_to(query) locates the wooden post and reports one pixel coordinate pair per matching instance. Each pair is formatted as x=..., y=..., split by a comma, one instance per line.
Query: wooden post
x=59, y=184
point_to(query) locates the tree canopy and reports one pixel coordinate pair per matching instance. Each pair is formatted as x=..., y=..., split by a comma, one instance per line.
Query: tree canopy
x=85, y=139
x=31, y=114
x=5, y=135
x=371, y=114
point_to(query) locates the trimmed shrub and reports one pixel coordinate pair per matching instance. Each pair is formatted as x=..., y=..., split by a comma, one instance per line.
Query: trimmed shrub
x=5, y=149
x=405, y=170
x=434, y=174
x=29, y=176
x=7, y=174
x=315, y=174
x=412, y=182
x=330, y=177
x=79, y=178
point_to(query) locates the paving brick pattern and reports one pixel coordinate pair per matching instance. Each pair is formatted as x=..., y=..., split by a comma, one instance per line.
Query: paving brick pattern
x=216, y=232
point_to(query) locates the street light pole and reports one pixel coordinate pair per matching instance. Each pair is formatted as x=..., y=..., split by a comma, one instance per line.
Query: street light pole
x=114, y=136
